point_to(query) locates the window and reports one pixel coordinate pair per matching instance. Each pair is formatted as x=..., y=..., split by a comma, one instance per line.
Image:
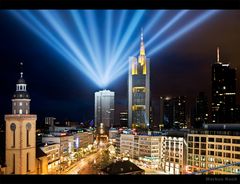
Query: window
x=190, y=138
x=27, y=162
x=227, y=140
x=28, y=127
x=211, y=152
x=237, y=148
x=219, y=147
x=219, y=140
x=203, y=152
x=196, y=139
x=196, y=145
x=227, y=148
x=203, y=146
x=228, y=155
x=210, y=139
x=211, y=146
x=236, y=141
x=190, y=151
x=237, y=156
x=196, y=151
x=13, y=172
x=203, y=139
x=20, y=103
x=13, y=128
x=20, y=111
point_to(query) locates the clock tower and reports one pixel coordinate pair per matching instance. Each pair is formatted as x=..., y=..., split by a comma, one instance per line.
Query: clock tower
x=20, y=133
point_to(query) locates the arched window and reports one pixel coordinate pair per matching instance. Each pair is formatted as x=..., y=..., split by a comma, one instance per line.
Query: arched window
x=13, y=171
x=28, y=127
x=27, y=162
x=13, y=128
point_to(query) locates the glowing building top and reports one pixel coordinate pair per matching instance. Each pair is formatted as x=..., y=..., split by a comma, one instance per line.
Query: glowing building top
x=142, y=48
x=21, y=99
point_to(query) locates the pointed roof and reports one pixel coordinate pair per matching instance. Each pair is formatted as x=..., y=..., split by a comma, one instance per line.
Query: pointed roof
x=142, y=48
x=21, y=80
x=218, y=55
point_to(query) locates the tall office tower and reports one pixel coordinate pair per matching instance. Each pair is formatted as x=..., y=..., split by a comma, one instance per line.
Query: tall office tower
x=104, y=109
x=200, y=111
x=20, y=133
x=139, y=90
x=179, y=112
x=166, y=112
x=173, y=112
x=123, y=118
x=223, y=92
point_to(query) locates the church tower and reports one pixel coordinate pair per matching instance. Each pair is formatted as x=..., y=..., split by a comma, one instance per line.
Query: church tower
x=20, y=133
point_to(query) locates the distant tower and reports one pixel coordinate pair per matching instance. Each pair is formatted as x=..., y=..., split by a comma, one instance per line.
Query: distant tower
x=139, y=90
x=223, y=93
x=20, y=133
x=104, y=109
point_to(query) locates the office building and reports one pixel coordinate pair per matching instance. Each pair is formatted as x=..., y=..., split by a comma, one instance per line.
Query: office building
x=123, y=118
x=223, y=92
x=208, y=150
x=142, y=147
x=201, y=114
x=20, y=133
x=104, y=109
x=173, y=112
x=173, y=155
x=139, y=90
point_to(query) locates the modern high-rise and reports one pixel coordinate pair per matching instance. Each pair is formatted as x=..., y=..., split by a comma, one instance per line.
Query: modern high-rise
x=223, y=92
x=139, y=90
x=104, y=108
x=123, y=118
x=20, y=133
x=201, y=115
x=173, y=112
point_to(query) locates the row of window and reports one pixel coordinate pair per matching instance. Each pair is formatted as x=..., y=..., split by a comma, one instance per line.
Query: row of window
x=211, y=139
x=20, y=104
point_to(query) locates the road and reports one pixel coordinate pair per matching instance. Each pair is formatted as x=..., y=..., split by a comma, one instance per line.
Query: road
x=85, y=165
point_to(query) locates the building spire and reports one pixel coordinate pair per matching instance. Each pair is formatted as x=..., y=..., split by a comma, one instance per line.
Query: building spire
x=142, y=49
x=218, y=60
x=21, y=69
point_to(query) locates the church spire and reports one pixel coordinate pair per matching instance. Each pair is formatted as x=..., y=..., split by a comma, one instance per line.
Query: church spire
x=21, y=69
x=142, y=48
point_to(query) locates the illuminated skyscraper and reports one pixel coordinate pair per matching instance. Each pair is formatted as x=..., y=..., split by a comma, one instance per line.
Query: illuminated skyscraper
x=223, y=92
x=139, y=90
x=104, y=109
x=20, y=133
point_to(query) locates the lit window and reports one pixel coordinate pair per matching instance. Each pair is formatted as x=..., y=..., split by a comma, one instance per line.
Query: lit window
x=20, y=111
x=20, y=103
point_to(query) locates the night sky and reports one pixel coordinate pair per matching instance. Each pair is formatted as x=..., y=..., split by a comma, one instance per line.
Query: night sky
x=58, y=89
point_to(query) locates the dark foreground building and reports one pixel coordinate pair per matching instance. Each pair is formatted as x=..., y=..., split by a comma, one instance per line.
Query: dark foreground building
x=122, y=168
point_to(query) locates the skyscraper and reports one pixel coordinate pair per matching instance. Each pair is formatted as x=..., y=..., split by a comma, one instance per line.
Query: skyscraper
x=139, y=90
x=223, y=92
x=200, y=111
x=104, y=108
x=123, y=118
x=173, y=112
x=20, y=133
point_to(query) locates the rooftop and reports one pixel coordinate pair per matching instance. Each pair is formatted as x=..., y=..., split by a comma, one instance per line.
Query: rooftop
x=122, y=167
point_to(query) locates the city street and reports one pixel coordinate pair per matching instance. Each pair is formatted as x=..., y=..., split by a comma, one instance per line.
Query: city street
x=85, y=165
